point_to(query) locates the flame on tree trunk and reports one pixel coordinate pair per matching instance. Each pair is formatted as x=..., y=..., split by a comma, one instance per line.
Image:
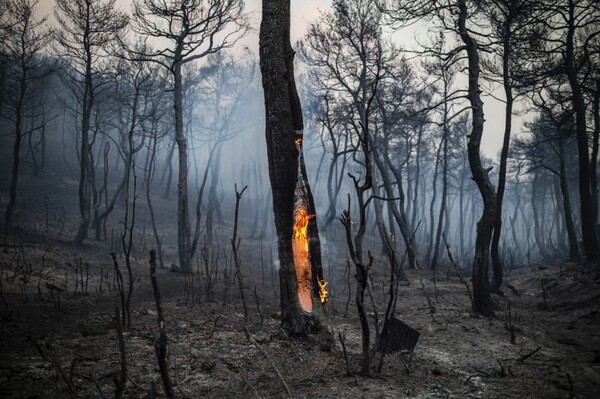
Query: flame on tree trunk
x=301, y=258
x=308, y=280
x=283, y=128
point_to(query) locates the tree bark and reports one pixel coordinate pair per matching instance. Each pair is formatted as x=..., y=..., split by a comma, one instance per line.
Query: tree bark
x=446, y=133
x=595, y=145
x=566, y=200
x=506, y=82
x=17, y=145
x=283, y=124
x=85, y=164
x=183, y=220
x=588, y=227
x=485, y=226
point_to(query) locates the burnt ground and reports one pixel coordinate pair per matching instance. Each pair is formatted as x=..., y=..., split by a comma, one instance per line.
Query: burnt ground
x=554, y=317
x=554, y=309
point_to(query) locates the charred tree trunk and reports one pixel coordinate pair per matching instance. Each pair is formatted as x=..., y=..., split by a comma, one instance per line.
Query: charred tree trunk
x=149, y=176
x=588, y=226
x=85, y=164
x=413, y=218
x=214, y=207
x=535, y=201
x=283, y=123
x=506, y=80
x=17, y=145
x=101, y=215
x=183, y=220
x=444, y=147
x=485, y=226
x=566, y=200
x=595, y=145
x=432, y=206
x=168, y=171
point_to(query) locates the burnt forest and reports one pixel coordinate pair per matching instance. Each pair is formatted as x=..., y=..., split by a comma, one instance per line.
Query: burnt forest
x=299, y=199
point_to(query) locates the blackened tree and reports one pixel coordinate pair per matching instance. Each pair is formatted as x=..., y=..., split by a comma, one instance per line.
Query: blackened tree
x=189, y=30
x=25, y=39
x=87, y=29
x=284, y=129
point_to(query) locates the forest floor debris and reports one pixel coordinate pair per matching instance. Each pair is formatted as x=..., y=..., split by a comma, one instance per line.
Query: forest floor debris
x=556, y=350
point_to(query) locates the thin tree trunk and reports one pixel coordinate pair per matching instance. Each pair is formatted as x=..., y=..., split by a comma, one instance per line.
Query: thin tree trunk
x=564, y=188
x=85, y=165
x=485, y=226
x=588, y=227
x=432, y=206
x=444, y=184
x=536, y=218
x=417, y=179
x=594, y=159
x=506, y=80
x=17, y=146
x=183, y=221
x=168, y=171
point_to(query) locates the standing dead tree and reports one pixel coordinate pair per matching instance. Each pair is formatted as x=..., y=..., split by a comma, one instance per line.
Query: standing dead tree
x=87, y=28
x=153, y=128
x=26, y=38
x=459, y=16
x=189, y=31
x=362, y=272
x=235, y=246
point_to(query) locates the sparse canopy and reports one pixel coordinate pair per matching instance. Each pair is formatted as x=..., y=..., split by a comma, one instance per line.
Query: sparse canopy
x=185, y=31
x=188, y=30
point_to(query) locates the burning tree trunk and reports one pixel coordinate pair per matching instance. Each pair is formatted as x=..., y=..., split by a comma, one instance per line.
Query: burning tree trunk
x=300, y=271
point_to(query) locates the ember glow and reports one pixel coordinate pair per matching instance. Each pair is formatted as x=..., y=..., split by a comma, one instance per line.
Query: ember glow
x=301, y=257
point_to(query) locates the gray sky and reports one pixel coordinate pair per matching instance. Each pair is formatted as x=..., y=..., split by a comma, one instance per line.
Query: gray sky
x=306, y=11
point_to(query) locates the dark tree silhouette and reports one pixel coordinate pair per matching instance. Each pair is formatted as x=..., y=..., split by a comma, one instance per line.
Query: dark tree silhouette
x=192, y=29
x=26, y=37
x=284, y=128
x=87, y=28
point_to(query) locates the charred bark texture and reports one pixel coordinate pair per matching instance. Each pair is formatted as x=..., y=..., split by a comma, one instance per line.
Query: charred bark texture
x=485, y=225
x=183, y=219
x=588, y=228
x=283, y=122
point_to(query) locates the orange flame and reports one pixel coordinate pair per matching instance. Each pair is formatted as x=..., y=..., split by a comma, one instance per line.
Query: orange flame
x=322, y=290
x=301, y=257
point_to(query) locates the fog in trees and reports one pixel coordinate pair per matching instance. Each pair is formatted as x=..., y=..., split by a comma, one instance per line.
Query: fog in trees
x=330, y=194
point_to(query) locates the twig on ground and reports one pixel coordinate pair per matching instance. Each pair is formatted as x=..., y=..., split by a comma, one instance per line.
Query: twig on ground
x=528, y=355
